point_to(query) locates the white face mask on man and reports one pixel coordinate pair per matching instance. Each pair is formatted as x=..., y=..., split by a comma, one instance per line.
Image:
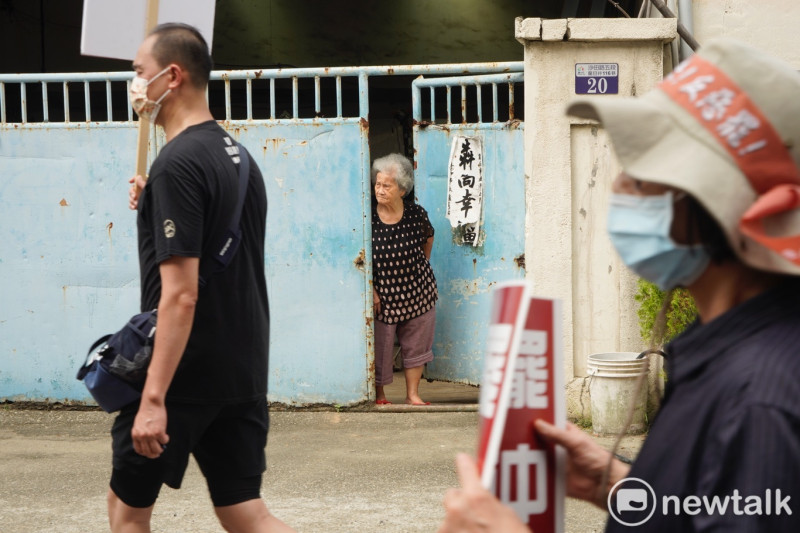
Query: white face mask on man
x=144, y=107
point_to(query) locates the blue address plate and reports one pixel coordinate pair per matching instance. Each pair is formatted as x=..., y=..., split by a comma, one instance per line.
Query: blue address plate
x=596, y=78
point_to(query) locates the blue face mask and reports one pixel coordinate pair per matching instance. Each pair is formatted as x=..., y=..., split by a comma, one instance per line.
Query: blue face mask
x=639, y=228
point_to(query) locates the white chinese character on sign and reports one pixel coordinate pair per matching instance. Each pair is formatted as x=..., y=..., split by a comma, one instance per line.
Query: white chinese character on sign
x=465, y=186
x=499, y=338
x=694, y=87
x=715, y=104
x=529, y=384
x=737, y=127
x=490, y=385
x=533, y=342
x=523, y=459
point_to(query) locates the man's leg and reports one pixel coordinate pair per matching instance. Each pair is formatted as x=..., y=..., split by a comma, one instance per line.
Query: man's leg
x=251, y=516
x=135, y=480
x=232, y=458
x=123, y=518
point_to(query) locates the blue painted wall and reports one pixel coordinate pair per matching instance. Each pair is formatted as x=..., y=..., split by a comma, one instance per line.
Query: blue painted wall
x=69, y=266
x=465, y=275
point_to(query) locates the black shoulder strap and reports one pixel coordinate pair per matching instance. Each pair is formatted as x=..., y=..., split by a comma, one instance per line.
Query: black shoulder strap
x=224, y=252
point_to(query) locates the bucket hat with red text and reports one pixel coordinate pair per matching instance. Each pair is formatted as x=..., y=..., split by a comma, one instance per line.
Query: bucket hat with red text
x=724, y=126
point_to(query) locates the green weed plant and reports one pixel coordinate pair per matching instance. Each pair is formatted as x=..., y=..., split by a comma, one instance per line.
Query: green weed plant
x=682, y=312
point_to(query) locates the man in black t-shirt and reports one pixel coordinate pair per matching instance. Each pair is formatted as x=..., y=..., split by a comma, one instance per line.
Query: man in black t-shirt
x=206, y=386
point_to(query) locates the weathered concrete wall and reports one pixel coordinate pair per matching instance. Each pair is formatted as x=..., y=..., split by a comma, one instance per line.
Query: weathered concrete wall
x=568, y=254
x=769, y=25
x=569, y=167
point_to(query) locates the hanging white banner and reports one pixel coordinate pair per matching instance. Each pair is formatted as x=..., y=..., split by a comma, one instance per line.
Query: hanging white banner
x=465, y=186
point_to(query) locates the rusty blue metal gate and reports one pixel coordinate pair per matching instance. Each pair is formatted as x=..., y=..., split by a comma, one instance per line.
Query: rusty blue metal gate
x=466, y=274
x=68, y=259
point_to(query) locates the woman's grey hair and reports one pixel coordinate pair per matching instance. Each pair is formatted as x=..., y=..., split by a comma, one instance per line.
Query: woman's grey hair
x=397, y=166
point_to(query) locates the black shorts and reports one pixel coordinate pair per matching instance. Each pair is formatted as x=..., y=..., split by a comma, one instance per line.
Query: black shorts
x=227, y=441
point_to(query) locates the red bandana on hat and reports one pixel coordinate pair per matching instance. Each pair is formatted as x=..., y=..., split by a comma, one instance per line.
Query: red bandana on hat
x=733, y=119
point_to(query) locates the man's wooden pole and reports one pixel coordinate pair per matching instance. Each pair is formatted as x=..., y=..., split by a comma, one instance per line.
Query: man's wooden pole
x=142, y=144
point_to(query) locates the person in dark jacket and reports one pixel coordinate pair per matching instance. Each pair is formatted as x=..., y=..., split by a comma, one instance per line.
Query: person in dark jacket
x=708, y=200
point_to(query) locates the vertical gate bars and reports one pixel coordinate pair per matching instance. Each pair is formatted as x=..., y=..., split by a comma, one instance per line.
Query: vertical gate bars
x=463, y=82
x=507, y=71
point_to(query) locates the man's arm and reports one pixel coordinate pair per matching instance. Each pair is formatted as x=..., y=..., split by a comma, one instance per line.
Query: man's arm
x=587, y=463
x=179, y=276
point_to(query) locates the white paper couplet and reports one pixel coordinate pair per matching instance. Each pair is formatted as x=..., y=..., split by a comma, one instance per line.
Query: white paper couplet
x=465, y=186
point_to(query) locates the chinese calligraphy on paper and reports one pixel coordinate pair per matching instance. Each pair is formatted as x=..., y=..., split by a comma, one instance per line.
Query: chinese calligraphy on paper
x=465, y=187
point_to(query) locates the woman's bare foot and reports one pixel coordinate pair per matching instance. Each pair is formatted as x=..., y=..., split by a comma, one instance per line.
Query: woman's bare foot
x=413, y=376
x=416, y=400
x=380, y=396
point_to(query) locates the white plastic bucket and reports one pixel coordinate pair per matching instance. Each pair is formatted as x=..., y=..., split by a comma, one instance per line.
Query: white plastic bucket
x=612, y=388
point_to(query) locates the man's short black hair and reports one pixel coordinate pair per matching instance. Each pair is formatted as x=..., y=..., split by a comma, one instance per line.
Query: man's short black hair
x=183, y=44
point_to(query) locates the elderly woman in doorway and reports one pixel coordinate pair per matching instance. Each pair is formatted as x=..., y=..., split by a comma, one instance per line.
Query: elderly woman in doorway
x=404, y=287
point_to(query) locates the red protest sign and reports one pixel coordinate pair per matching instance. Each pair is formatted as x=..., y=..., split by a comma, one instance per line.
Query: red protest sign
x=523, y=381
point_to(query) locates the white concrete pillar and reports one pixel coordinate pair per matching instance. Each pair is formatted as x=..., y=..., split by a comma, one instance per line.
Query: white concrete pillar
x=569, y=167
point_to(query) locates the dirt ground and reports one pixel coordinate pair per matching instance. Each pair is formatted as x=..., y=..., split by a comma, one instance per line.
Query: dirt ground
x=328, y=472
